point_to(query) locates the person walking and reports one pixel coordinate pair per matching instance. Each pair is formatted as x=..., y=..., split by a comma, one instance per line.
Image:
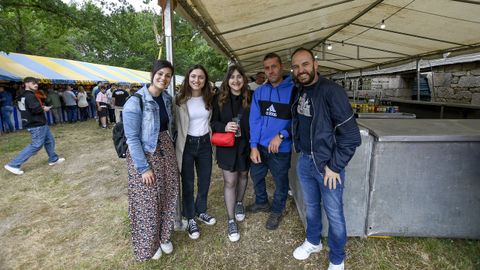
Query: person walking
x=153, y=182
x=33, y=115
x=231, y=108
x=193, y=148
x=326, y=135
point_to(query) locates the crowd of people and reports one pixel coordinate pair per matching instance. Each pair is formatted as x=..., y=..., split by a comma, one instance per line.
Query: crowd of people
x=68, y=103
x=169, y=144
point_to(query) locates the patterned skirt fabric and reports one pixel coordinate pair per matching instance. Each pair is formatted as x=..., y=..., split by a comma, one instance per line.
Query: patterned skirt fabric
x=152, y=209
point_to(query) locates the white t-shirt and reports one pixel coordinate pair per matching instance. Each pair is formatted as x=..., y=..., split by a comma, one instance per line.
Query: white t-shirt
x=82, y=100
x=253, y=86
x=198, y=115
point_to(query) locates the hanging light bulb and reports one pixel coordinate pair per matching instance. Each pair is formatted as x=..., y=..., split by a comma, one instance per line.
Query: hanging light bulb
x=329, y=46
x=382, y=26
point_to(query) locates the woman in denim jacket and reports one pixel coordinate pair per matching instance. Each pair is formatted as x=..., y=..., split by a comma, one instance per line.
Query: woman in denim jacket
x=152, y=170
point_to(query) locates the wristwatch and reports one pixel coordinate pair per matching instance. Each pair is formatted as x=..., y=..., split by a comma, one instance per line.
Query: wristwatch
x=280, y=135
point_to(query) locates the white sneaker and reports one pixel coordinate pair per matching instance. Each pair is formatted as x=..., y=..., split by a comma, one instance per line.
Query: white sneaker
x=167, y=247
x=13, y=170
x=332, y=266
x=303, y=252
x=157, y=254
x=59, y=160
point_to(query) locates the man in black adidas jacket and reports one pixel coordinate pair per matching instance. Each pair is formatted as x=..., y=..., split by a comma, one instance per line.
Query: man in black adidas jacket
x=326, y=134
x=33, y=119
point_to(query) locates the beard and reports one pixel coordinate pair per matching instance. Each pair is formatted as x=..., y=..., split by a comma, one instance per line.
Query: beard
x=311, y=77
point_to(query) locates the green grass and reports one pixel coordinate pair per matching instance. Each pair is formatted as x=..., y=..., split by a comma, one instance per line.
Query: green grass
x=74, y=216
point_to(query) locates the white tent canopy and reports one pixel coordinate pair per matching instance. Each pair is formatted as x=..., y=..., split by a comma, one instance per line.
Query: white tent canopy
x=247, y=30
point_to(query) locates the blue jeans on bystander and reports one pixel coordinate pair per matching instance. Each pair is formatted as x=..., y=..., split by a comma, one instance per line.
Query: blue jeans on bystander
x=6, y=112
x=314, y=191
x=41, y=137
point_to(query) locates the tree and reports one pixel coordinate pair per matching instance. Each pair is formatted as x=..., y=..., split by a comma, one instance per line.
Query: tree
x=112, y=34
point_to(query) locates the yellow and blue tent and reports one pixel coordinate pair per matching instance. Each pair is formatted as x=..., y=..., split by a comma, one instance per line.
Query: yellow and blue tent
x=15, y=67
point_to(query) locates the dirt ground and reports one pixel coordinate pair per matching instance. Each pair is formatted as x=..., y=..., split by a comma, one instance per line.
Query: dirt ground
x=74, y=216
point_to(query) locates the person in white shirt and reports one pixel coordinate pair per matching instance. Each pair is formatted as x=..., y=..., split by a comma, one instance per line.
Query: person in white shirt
x=82, y=103
x=193, y=148
x=259, y=80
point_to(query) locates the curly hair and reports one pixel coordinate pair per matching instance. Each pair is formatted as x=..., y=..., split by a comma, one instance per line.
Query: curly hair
x=225, y=88
x=185, y=91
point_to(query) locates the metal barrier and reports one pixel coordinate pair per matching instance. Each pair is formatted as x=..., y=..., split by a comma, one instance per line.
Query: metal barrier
x=411, y=177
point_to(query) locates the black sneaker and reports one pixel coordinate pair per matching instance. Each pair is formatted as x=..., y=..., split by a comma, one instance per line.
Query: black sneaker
x=239, y=211
x=255, y=208
x=233, y=234
x=192, y=229
x=207, y=219
x=273, y=221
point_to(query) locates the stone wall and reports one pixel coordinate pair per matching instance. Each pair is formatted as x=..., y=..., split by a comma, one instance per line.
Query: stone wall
x=458, y=83
x=385, y=86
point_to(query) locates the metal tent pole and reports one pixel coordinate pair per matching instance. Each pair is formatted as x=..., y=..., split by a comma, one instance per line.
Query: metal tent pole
x=418, y=79
x=168, y=24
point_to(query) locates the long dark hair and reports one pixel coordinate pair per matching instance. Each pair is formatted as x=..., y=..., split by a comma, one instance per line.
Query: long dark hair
x=186, y=91
x=225, y=88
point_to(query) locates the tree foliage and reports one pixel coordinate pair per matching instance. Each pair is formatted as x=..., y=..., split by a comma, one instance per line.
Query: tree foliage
x=111, y=33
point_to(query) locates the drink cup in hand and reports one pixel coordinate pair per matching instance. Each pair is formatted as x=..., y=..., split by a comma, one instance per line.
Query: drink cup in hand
x=238, y=132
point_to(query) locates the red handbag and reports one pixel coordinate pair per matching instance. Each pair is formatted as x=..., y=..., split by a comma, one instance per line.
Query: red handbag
x=223, y=139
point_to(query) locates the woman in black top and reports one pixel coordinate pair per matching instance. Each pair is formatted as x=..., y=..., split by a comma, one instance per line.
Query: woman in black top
x=232, y=102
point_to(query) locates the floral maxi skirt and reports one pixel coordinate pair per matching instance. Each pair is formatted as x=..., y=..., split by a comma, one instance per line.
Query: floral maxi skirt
x=152, y=209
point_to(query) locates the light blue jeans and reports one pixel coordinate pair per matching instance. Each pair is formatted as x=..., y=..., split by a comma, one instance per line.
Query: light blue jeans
x=314, y=192
x=41, y=137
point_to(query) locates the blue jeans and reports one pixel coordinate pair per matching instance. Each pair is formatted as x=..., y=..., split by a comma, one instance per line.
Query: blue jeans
x=6, y=117
x=196, y=155
x=41, y=137
x=72, y=113
x=278, y=164
x=314, y=192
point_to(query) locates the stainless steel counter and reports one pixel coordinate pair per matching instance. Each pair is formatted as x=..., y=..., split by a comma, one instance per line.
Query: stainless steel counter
x=419, y=130
x=412, y=177
x=424, y=178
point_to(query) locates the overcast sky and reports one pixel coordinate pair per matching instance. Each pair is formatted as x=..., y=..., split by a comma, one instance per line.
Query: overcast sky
x=137, y=4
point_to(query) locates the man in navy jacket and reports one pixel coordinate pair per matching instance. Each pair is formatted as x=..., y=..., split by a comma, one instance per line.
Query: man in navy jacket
x=326, y=135
x=270, y=139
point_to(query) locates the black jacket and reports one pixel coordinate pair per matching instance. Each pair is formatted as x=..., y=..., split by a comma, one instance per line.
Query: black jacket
x=227, y=156
x=31, y=110
x=334, y=131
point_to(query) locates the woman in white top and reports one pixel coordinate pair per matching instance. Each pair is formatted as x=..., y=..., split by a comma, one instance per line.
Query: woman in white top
x=193, y=148
x=82, y=103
